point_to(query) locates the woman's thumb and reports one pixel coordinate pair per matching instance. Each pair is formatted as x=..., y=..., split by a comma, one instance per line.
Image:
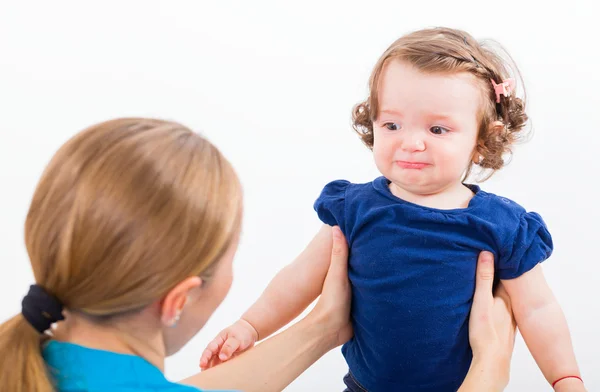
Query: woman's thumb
x=339, y=253
x=484, y=279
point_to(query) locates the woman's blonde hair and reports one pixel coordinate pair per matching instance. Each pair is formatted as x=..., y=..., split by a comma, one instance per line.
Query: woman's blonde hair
x=445, y=50
x=125, y=210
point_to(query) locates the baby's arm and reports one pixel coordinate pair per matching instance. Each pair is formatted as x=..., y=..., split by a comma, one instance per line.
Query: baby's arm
x=543, y=326
x=294, y=288
x=288, y=294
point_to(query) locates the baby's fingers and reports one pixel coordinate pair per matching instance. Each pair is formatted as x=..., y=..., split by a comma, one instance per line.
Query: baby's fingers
x=211, y=350
x=230, y=346
x=205, y=358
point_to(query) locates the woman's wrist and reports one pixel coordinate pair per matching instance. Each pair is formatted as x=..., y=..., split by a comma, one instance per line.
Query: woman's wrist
x=274, y=363
x=485, y=375
x=318, y=329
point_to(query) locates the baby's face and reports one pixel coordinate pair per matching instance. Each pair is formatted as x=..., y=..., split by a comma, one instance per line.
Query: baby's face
x=426, y=129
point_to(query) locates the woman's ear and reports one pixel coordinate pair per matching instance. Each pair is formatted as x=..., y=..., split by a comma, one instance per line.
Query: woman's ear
x=174, y=301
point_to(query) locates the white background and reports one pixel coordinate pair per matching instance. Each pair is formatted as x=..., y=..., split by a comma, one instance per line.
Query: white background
x=272, y=84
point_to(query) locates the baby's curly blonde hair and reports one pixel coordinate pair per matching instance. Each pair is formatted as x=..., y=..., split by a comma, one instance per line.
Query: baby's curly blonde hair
x=445, y=50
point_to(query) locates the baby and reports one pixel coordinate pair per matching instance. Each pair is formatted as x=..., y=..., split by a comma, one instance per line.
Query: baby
x=440, y=103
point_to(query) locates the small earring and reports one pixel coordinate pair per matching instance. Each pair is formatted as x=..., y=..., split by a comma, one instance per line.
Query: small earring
x=176, y=319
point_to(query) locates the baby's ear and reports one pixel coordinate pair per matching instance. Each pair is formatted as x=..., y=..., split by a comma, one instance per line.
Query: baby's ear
x=477, y=157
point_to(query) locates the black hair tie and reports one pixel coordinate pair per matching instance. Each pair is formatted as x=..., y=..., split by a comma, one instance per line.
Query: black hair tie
x=41, y=309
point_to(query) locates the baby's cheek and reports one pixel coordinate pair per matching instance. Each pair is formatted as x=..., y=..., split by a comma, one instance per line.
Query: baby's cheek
x=453, y=164
x=382, y=161
x=382, y=153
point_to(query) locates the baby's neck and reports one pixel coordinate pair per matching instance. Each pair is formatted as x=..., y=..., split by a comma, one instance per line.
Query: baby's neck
x=453, y=197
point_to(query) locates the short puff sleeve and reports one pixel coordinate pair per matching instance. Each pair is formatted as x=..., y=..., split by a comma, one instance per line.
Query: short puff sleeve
x=530, y=245
x=330, y=206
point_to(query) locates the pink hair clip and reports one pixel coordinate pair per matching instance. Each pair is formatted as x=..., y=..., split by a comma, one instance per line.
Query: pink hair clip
x=505, y=88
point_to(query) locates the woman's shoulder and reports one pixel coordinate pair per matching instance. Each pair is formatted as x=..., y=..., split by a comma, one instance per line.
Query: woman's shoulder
x=74, y=368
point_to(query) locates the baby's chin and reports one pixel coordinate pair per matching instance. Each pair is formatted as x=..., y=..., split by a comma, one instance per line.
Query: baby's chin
x=420, y=186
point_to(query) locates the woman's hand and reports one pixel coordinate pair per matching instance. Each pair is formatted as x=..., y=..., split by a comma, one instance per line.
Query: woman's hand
x=491, y=332
x=332, y=311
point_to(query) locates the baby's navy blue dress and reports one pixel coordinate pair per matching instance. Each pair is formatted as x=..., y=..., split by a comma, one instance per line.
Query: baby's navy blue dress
x=412, y=270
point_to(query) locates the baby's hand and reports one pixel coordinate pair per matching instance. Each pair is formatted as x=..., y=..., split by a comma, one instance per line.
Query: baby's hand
x=234, y=339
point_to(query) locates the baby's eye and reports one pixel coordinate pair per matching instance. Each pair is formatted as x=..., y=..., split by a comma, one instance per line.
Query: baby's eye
x=392, y=126
x=438, y=130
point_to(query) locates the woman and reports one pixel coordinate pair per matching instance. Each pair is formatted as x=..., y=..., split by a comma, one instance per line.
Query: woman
x=131, y=235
